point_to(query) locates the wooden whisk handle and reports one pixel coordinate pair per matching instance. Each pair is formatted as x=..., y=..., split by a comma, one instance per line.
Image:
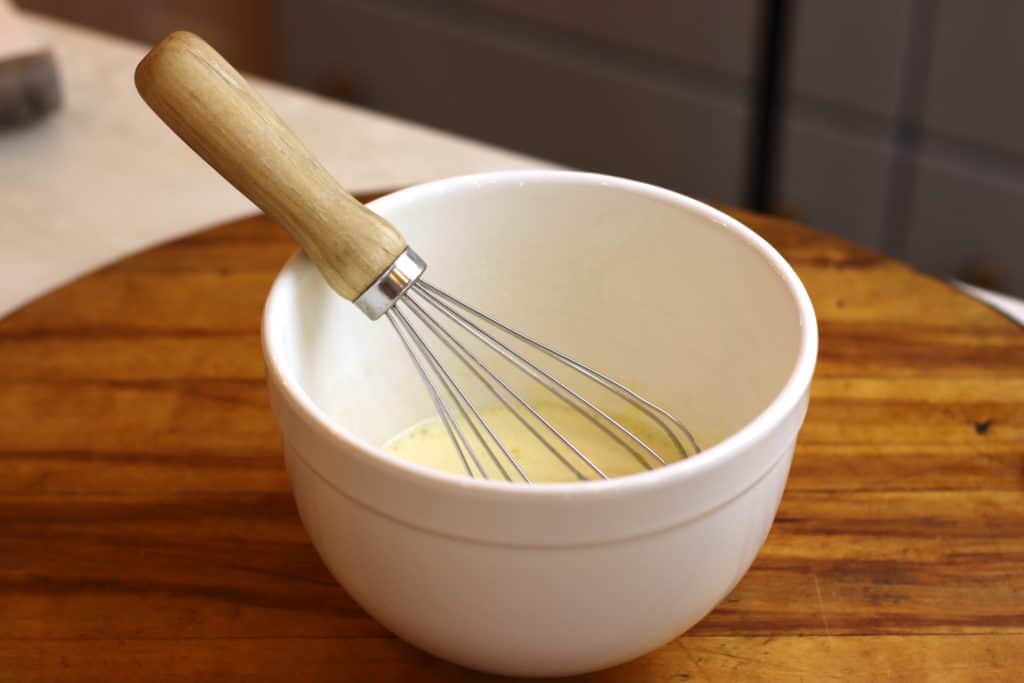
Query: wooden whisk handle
x=212, y=108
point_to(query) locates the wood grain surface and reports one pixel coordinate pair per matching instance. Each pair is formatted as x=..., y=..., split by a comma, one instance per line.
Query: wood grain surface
x=147, y=532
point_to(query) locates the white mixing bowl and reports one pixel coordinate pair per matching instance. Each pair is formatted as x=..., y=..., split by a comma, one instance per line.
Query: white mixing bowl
x=660, y=291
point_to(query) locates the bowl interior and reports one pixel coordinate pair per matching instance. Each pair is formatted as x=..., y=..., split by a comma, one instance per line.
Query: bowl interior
x=660, y=292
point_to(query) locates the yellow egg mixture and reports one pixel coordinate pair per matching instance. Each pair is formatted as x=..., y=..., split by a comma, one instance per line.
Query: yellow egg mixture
x=428, y=443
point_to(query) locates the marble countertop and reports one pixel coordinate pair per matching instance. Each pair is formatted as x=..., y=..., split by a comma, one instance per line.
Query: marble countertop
x=102, y=177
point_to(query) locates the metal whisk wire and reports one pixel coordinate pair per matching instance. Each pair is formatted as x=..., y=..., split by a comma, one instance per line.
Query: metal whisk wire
x=366, y=260
x=447, y=392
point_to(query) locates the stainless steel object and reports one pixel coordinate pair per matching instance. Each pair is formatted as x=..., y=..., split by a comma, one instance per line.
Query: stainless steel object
x=445, y=318
x=391, y=284
x=366, y=260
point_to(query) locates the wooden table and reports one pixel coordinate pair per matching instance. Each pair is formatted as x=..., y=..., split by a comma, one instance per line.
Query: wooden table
x=147, y=532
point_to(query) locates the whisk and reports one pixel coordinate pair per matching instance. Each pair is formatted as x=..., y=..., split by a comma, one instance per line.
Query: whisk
x=367, y=261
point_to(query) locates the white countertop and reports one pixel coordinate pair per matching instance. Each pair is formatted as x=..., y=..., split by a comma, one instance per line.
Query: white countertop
x=102, y=177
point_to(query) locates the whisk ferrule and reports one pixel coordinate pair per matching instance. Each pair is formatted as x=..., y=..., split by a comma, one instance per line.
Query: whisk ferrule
x=392, y=283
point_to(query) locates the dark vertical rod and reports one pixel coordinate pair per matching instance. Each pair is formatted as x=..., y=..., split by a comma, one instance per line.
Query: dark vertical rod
x=767, y=102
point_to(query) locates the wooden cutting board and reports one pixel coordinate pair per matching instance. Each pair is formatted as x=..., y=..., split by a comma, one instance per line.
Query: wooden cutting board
x=147, y=532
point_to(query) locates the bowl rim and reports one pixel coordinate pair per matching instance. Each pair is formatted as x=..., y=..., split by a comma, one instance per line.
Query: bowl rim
x=713, y=457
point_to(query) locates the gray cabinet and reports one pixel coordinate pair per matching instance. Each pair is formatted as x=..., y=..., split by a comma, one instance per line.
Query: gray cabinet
x=966, y=208
x=967, y=218
x=707, y=35
x=847, y=56
x=975, y=77
x=842, y=97
x=834, y=178
x=902, y=126
x=904, y=131
x=653, y=90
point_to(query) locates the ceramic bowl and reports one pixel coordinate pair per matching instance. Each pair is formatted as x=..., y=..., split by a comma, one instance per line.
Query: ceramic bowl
x=662, y=292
